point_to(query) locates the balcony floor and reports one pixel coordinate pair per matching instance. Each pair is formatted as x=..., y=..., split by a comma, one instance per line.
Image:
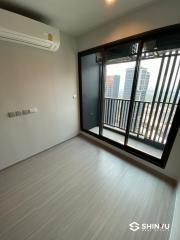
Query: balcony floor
x=118, y=137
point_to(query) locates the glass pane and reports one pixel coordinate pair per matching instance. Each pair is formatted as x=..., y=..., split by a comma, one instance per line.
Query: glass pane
x=90, y=80
x=120, y=65
x=157, y=95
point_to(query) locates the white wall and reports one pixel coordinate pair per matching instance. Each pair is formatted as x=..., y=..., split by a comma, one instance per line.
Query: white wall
x=31, y=77
x=175, y=233
x=159, y=14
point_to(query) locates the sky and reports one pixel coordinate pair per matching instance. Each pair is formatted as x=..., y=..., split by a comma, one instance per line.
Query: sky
x=152, y=65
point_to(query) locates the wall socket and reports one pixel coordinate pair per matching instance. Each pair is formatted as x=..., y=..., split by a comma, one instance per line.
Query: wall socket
x=11, y=114
x=23, y=112
x=18, y=113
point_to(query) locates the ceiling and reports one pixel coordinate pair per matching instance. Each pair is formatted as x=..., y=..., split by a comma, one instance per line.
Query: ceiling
x=73, y=16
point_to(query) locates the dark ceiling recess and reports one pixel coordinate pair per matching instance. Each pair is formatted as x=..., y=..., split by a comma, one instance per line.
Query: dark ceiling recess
x=24, y=11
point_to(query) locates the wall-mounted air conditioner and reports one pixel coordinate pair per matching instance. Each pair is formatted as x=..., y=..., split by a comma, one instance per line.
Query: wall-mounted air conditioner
x=20, y=29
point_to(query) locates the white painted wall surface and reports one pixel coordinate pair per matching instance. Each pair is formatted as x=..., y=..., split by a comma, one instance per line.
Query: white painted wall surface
x=159, y=14
x=175, y=233
x=30, y=77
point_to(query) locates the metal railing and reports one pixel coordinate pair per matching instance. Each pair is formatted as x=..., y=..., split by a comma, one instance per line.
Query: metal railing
x=150, y=121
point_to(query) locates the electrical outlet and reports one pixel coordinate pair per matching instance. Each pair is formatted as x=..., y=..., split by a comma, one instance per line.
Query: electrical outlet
x=11, y=114
x=18, y=113
x=25, y=112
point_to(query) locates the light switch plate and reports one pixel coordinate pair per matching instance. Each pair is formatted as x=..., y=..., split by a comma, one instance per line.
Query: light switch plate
x=33, y=110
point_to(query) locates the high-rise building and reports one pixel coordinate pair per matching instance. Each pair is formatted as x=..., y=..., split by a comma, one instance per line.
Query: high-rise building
x=128, y=83
x=142, y=86
x=112, y=86
x=143, y=82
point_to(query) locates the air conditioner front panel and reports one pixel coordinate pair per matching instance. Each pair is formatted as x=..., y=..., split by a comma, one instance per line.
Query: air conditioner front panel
x=23, y=30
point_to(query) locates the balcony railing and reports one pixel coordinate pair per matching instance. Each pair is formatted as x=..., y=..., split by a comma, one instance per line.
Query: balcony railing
x=150, y=122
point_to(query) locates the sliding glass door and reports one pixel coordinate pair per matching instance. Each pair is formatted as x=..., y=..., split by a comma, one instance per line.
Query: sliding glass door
x=120, y=63
x=130, y=94
x=157, y=95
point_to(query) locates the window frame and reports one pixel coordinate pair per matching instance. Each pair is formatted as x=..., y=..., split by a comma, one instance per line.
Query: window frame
x=175, y=124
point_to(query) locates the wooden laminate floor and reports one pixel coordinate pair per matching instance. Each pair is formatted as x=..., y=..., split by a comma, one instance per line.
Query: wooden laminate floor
x=79, y=191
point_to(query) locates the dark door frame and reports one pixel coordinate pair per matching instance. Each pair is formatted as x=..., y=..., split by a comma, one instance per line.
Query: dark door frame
x=176, y=121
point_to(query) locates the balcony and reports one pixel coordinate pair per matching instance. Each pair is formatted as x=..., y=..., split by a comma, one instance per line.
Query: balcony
x=150, y=124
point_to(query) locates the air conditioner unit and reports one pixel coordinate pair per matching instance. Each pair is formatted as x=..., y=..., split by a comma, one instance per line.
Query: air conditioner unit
x=20, y=29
